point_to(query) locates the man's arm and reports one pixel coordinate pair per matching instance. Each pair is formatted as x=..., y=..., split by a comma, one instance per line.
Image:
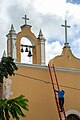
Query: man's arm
x=57, y=91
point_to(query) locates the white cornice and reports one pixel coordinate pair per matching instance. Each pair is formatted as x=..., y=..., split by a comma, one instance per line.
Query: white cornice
x=32, y=65
x=73, y=70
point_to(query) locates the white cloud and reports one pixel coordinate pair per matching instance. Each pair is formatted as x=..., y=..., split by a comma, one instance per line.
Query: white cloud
x=47, y=15
x=52, y=50
x=73, y=10
x=51, y=6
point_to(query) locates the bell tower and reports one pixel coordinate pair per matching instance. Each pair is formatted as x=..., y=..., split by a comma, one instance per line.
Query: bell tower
x=36, y=50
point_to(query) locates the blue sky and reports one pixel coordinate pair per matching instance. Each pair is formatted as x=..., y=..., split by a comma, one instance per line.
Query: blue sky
x=73, y=1
x=47, y=15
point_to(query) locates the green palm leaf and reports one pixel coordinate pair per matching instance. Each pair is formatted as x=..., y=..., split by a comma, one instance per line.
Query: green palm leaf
x=12, y=107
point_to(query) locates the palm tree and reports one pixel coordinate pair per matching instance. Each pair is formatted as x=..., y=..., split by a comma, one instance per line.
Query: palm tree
x=12, y=107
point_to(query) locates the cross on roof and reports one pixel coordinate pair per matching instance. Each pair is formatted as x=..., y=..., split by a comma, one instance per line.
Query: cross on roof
x=25, y=18
x=66, y=26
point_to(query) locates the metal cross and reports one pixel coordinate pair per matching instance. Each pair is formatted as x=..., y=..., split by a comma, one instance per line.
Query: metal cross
x=66, y=26
x=25, y=18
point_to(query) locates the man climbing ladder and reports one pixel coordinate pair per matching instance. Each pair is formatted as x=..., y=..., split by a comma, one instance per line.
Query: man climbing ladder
x=52, y=69
x=61, y=99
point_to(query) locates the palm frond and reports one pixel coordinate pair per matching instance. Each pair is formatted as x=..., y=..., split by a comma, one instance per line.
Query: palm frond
x=12, y=107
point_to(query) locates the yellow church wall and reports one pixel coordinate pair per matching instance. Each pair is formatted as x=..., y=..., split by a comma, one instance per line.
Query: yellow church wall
x=29, y=81
x=66, y=59
x=71, y=78
x=70, y=82
x=37, y=92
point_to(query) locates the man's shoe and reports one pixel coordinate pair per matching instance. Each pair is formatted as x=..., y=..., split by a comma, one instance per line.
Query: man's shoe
x=61, y=110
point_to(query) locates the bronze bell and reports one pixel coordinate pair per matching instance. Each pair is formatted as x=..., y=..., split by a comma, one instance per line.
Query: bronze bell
x=29, y=54
x=26, y=50
x=22, y=50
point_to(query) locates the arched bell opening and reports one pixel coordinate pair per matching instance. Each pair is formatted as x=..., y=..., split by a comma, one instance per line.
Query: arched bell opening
x=26, y=50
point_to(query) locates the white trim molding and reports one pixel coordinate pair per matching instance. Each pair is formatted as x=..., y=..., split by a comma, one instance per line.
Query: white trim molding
x=75, y=112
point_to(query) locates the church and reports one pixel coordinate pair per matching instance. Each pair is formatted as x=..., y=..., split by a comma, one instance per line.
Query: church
x=33, y=79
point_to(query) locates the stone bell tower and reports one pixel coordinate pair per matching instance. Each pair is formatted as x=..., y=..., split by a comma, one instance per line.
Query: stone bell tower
x=37, y=44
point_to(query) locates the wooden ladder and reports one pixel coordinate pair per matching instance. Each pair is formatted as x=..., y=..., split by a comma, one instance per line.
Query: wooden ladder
x=51, y=70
